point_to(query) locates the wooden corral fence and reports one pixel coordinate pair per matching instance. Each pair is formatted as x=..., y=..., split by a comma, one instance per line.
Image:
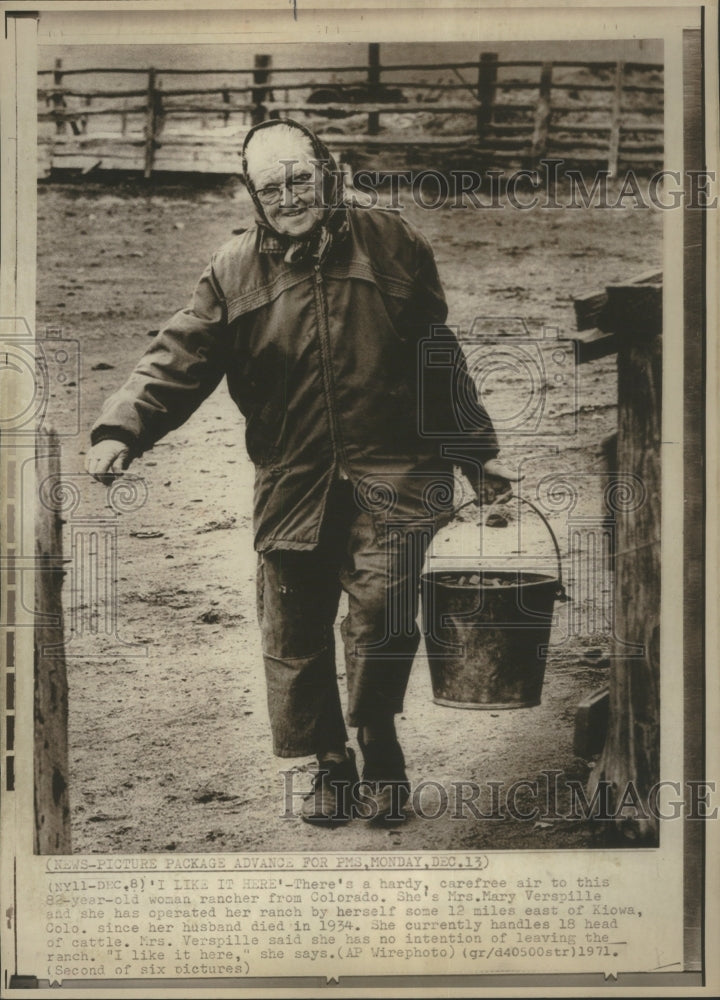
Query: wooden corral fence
x=626, y=319
x=499, y=112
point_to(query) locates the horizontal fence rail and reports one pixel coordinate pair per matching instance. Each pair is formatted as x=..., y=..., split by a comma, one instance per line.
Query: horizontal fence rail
x=494, y=112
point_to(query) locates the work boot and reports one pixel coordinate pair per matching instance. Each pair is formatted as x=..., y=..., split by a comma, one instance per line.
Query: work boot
x=330, y=800
x=385, y=785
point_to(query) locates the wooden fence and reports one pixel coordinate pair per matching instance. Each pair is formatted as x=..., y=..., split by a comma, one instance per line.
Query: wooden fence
x=51, y=766
x=497, y=112
x=626, y=320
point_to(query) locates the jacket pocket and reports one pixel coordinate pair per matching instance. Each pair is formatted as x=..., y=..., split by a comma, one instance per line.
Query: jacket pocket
x=263, y=434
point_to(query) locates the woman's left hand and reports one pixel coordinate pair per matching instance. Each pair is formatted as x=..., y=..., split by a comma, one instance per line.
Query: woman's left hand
x=495, y=480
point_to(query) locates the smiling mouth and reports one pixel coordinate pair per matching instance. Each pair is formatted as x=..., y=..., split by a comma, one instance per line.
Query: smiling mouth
x=290, y=213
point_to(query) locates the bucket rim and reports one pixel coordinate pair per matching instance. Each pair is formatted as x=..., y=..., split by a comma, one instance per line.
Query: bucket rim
x=542, y=579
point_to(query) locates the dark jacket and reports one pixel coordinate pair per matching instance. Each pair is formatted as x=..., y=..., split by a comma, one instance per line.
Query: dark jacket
x=340, y=368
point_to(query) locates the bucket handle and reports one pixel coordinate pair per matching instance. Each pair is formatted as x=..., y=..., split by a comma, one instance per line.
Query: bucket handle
x=561, y=594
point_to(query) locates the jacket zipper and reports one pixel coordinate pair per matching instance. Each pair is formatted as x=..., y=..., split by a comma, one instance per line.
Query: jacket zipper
x=339, y=459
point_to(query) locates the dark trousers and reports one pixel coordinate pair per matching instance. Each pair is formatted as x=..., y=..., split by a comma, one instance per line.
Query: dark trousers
x=378, y=566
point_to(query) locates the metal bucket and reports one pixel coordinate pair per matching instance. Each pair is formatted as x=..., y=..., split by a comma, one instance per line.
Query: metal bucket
x=487, y=633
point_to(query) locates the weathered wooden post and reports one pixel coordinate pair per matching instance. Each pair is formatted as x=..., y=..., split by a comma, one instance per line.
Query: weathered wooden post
x=58, y=98
x=486, y=86
x=261, y=75
x=153, y=121
x=631, y=324
x=52, y=809
x=543, y=111
x=373, y=86
x=616, y=119
x=84, y=118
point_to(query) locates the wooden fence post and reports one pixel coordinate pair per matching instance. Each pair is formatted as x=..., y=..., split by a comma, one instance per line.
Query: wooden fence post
x=153, y=120
x=84, y=118
x=632, y=748
x=542, y=116
x=615, y=119
x=261, y=75
x=51, y=768
x=373, y=85
x=486, y=85
x=58, y=100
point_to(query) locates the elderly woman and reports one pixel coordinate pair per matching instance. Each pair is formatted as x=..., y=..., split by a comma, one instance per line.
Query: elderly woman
x=317, y=315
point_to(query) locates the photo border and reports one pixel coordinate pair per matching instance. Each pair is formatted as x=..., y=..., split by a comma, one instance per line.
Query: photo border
x=699, y=569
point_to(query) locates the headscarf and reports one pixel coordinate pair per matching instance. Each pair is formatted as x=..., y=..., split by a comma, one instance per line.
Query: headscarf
x=333, y=223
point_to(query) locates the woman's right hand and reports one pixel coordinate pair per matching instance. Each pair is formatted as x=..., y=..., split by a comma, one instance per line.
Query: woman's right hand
x=107, y=460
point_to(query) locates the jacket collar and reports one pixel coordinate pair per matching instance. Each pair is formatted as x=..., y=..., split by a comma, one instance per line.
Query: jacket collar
x=270, y=242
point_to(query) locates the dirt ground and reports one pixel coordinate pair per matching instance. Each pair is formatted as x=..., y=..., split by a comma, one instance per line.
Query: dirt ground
x=169, y=737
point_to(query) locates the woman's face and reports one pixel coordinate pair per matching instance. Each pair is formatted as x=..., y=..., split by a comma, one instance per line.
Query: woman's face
x=288, y=185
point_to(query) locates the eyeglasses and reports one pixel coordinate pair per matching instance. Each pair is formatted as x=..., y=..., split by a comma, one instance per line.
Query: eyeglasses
x=272, y=194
